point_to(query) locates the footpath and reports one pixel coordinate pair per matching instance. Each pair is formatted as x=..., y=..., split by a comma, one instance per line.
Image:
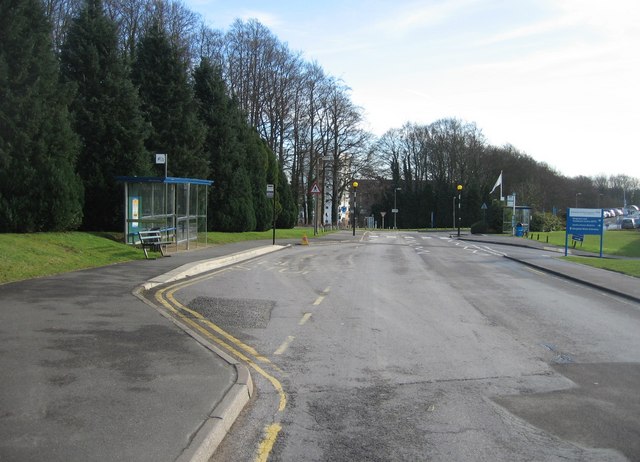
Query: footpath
x=546, y=259
x=91, y=372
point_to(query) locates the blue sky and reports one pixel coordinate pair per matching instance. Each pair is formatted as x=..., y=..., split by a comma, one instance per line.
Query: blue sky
x=558, y=79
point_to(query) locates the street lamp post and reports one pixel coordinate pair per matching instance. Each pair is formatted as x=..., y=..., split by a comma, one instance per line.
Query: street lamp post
x=459, y=203
x=454, y=211
x=577, y=194
x=395, y=207
x=355, y=206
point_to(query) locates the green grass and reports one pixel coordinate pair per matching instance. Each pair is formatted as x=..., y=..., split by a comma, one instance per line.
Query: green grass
x=619, y=243
x=629, y=267
x=26, y=256
x=214, y=237
x=615, y=243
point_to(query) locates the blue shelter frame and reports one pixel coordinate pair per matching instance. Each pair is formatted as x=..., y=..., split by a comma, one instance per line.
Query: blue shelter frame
x=177, y=207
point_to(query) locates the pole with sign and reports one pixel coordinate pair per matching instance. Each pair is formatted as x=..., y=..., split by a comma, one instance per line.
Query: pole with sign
x=163, y=158
x=271, y=194
x=584, y=221
x=355, y=205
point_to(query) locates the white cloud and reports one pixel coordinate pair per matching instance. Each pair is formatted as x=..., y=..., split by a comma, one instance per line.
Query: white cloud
x=418, y=15
x=269, y=20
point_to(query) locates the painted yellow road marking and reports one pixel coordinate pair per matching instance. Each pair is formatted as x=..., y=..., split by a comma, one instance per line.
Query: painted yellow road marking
x=276, y=384
x=322, y=297
x=305, y=318
x=271, y=434
x=205, y=327
x=282, y=348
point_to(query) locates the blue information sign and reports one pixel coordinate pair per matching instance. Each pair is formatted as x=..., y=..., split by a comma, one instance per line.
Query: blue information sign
x=584, y=221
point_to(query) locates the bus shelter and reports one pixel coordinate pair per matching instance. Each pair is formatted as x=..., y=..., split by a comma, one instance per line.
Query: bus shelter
x=176, y=207
x=516, y=220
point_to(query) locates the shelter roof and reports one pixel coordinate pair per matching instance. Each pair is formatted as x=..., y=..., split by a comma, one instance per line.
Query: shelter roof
x=163, y=179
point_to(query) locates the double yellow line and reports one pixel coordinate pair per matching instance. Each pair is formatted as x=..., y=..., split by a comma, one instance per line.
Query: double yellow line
x=166, y=298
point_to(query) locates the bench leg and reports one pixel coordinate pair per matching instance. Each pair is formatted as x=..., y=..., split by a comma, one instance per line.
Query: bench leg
x=146, y=252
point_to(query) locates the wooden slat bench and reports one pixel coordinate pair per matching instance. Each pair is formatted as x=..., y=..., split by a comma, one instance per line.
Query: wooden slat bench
x=152, y=239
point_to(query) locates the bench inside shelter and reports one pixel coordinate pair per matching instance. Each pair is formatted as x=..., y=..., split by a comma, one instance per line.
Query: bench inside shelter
x=156, y=240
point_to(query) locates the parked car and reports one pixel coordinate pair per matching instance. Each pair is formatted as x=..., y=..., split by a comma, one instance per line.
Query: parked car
x=629, y=223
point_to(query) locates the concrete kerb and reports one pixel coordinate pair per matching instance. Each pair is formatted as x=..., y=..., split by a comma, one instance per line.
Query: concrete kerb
x=210, y=434
x=591, y=284
x=195, y=268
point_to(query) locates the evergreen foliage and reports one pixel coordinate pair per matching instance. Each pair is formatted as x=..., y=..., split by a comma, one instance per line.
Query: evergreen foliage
x=221, y=148
x=260, y=163
x=168, y=105
x=107, y=115
x=286, y=208
x=39, y=189
x=545, y=222
x=241, y=163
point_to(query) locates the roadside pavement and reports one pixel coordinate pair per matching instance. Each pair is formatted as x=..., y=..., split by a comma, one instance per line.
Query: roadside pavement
x=548, y=260
x=91, y=372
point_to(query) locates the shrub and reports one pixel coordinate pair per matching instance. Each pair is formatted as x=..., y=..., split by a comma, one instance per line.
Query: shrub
x=545, y=222
x=479, y=227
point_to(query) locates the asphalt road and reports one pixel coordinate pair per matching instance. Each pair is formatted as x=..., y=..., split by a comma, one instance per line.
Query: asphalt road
x=414, y=346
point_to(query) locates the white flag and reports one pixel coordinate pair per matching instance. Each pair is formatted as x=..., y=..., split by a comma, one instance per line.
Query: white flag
x=498, y=183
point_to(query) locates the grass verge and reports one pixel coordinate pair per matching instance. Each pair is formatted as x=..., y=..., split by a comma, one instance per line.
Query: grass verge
x=615, y=242
x=628, y=267
x=26, y=256
x=619, y=243
x=214, y=237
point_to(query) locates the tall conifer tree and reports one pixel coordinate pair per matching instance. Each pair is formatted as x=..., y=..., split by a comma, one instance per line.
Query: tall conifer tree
x=231, y=205
x=168, y=104
x=107, y=115
x=39, y=188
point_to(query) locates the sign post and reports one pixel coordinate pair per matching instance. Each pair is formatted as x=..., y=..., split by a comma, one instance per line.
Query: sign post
x=271, y=195
x=581, y=222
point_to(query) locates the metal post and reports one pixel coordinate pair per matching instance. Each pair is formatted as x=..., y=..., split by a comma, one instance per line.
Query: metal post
x=355, y=205
x=126, y=214
x=454, y=212
x=459, y=205
x=395, y=207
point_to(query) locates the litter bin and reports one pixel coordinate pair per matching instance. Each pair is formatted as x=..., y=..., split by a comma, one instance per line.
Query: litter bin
x=519, y=230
